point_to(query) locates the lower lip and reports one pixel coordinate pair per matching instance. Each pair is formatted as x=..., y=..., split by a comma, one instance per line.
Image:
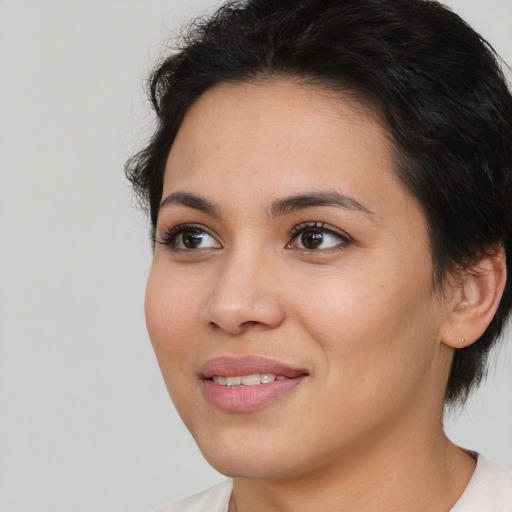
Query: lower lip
x=247, y=398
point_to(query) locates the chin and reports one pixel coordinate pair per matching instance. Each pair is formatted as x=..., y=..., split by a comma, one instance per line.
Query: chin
x=247, y=467
x=245, y=456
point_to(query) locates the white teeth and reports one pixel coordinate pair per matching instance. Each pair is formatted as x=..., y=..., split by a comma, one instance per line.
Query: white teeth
x=254, y=379
x=267, y=377
x=251, y=380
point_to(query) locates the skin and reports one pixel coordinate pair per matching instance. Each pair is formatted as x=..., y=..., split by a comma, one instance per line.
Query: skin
x=363, y=431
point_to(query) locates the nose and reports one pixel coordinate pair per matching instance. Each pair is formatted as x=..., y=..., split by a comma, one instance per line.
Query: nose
x=245, y=295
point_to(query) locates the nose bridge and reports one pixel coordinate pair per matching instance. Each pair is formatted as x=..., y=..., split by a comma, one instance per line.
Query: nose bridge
x=244, y=293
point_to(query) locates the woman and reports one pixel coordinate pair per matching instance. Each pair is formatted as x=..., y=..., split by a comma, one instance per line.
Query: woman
x=329, y=187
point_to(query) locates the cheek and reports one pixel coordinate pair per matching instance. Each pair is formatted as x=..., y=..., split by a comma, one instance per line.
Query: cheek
x=341, y=306
x=366, y=322
x=171, y=315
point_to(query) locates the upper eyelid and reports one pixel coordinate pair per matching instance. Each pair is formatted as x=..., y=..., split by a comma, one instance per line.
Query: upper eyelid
x=164, y=236
x=321, y=226
x=185, y=225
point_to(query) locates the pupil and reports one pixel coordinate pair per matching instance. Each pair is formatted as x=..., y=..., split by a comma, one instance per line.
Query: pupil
x=311, y=239
x=191, y=239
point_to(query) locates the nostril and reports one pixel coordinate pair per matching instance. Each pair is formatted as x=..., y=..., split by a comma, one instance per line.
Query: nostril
x=250, y=323
x=214, y=325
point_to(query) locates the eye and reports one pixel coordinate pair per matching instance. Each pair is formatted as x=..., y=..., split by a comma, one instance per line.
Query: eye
x=189, y=237
x=314, y=236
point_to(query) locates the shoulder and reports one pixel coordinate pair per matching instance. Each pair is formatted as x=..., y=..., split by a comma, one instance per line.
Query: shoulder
x=490, y=489
x=215, y=499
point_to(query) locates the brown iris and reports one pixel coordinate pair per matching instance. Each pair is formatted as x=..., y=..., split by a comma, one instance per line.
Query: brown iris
x=312, y=239
x=192, y=239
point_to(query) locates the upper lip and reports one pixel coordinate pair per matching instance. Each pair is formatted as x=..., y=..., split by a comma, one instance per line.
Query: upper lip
x=230, y=366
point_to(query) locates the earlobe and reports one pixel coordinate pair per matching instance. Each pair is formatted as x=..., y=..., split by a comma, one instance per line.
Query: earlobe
x=474, y=300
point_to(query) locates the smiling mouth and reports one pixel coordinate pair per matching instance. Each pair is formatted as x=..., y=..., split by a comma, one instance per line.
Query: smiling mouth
x=246, y=384
x=252, y=369
x=254, y=379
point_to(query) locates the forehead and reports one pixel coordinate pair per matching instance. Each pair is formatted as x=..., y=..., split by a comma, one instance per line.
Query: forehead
x=277, y=126
x=288, y=106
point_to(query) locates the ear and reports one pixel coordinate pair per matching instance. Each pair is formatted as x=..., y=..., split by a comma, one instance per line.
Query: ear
x=473, y=299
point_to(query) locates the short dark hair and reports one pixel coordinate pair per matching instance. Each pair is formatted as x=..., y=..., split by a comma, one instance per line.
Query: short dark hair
x=434, y=81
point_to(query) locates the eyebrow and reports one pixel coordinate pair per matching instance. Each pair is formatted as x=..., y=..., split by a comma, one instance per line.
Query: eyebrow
x=191, y=201
x=278, y=208
x=301, y=202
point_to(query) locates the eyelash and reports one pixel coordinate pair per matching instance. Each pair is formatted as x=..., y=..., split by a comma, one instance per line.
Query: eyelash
x=169, y=238
x=319, y=227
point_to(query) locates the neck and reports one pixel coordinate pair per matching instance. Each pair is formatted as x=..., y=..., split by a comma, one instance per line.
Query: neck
x=424, y=476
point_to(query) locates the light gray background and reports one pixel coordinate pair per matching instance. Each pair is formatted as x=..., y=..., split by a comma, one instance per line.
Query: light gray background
x=85, y=421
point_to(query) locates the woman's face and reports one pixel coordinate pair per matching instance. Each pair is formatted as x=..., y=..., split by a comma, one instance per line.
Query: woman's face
x=289, y=254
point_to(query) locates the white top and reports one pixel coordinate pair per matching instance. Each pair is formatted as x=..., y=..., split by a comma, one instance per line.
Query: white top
x=489, y=490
